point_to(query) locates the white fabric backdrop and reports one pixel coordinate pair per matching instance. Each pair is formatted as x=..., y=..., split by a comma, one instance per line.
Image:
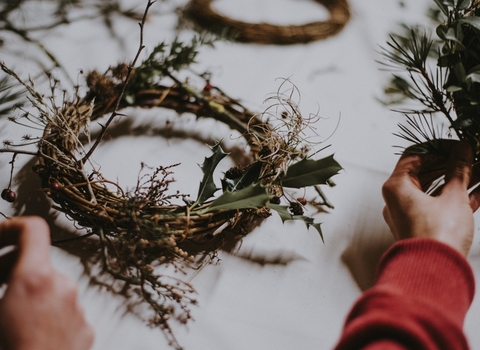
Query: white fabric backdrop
x=302, y=303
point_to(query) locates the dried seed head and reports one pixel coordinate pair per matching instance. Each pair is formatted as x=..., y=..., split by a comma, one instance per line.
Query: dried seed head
x=275, y=200
x=234, y=173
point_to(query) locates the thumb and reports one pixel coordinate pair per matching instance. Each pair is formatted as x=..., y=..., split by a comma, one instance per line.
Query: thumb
x=458, y=168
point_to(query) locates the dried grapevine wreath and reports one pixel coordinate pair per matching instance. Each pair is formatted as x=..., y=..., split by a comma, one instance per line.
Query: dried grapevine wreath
x=140, y=231
x=202, y=14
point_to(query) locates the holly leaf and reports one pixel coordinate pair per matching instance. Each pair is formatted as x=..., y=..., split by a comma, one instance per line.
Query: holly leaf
x=207, y=186
x=309, y=172
x=250, y=175
x=282, y=211
x=253, y=196
x=285, y=215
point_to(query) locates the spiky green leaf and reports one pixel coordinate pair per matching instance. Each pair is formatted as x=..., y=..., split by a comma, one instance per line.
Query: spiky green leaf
x=250, y=175
x=285, y=215
x=282, y=211
x=207, y=185
x=253, y=196
x=308, y=172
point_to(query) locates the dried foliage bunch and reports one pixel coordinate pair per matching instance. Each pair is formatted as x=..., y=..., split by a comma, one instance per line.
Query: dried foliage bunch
x=440, y=74
x=144, y=230
x=201, y=13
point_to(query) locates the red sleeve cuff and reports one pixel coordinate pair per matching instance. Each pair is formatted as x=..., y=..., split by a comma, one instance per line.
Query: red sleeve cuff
x=430, y=270
x=419, y=301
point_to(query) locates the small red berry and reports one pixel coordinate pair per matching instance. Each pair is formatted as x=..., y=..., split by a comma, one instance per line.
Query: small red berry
x=207, y=87
x=9, y=195
x=302, y=201
x=55, y=185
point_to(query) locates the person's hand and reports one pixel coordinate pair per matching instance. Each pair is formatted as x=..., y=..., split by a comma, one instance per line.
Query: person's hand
x=39, y=309
x=447, y=215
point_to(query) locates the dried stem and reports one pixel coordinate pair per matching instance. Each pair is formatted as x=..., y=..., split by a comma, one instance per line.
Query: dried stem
x=124, y=85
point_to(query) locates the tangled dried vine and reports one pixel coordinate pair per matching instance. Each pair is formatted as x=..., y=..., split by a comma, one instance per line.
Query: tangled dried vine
x=142, y=231
x=201, y=13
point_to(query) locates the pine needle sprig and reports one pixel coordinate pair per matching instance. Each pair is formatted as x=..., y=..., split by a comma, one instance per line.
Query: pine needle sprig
x=420, y=131
x=442, y=73
x=408, y=54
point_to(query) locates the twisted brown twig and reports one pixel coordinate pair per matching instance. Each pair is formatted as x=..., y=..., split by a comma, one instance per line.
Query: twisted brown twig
x=201, y=13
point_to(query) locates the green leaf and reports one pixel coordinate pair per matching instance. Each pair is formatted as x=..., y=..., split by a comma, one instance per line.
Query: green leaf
x=253, y=196
x=442, y=7
x=460, y=72
x=474, y=77
x=442, y=31
x=475, y=69
x=207, y=186
x=453, y=88
x=455, y=36
x=308, y=172
x=462, y=4
x=282, y=211
x=250, y=175
x=285, y=215
x=445, y=61
x=474, y=21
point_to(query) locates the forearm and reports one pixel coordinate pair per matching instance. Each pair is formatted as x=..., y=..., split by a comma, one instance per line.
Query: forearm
x=422, y=293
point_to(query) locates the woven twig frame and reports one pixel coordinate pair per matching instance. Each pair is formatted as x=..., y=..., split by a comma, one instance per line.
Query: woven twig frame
x=202, y=14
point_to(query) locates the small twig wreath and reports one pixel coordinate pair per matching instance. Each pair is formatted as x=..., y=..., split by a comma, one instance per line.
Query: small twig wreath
x=140, y=230
x=202, y=14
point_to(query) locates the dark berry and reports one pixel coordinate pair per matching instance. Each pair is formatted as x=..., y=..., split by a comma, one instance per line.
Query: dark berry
x=296, y=208
x=9, y=195
x=55, y=185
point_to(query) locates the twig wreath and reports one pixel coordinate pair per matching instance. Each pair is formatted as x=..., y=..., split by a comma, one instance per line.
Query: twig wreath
x=201, y=13
x=140, y=230
x=440, y=73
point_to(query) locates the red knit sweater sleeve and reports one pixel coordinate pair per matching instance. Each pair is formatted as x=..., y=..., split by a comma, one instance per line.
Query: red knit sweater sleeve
x=419, y=301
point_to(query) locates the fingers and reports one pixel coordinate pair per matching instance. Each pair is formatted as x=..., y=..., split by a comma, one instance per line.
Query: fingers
x=474, y=198
x=403, y=179
x=7, y=262
x=31, y=237
x=459, y=168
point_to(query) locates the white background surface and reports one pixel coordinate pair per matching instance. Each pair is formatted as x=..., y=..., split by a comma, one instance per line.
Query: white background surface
x=244, y=305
